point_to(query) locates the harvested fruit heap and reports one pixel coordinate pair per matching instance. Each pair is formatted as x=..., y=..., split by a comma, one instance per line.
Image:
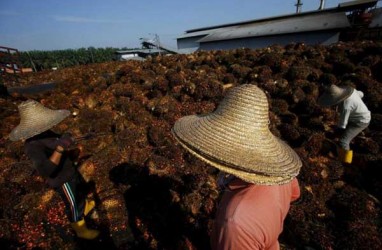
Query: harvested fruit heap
x=151, y=194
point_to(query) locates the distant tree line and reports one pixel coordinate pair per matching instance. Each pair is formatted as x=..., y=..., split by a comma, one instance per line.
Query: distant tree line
x=40, y=60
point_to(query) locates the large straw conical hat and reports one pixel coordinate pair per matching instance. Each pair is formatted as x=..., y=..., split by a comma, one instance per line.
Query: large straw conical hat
x=235, y=138
x=334, y=95
x=35, y=119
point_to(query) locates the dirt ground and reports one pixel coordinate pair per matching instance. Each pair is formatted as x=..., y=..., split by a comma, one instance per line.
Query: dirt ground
x=150, y=193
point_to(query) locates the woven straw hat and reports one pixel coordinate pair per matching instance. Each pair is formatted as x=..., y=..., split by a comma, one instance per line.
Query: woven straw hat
x=334, y=95
x=235, y=138
x=35, y=119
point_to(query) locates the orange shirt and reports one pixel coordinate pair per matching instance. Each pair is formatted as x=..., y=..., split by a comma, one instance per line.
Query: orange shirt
x=251, y=216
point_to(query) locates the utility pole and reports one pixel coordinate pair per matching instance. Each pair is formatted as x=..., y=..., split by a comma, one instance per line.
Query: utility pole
x=322, y=5
x=157, y=42
x=298, y=6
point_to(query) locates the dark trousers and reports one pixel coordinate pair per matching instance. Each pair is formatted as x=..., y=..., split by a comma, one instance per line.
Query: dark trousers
x=74, y=193
x=351, y=131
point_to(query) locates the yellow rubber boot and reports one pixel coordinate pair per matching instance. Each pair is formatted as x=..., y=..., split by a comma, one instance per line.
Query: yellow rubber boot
x=83, y=232
x=345, y=156
x=348, y=157
x=89, y=205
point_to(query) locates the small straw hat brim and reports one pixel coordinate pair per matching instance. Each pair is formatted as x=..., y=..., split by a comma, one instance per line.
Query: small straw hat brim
x=334, y=95
x=236, y=140
x=35, y=119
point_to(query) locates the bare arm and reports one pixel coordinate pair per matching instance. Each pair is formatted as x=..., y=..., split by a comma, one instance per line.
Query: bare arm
x=56, y=156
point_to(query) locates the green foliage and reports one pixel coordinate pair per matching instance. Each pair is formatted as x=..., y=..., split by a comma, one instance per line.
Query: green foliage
x=65, y=58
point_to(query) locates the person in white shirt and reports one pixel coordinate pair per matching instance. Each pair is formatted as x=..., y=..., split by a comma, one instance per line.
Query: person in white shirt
x=353, y=119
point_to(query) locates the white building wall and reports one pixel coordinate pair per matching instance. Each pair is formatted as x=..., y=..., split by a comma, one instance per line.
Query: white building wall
x=261, y=42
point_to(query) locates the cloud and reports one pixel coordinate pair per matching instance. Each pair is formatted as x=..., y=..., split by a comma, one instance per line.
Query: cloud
x=73, y=19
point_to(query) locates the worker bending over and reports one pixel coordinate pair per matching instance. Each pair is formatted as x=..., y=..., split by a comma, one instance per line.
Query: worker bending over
x=354, y=116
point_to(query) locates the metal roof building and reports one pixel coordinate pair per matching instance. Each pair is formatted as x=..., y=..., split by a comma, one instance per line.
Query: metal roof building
x=314, y=27
x=149, y=48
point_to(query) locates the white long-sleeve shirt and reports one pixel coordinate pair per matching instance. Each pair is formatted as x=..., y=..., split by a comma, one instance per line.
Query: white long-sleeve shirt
x=353, y=110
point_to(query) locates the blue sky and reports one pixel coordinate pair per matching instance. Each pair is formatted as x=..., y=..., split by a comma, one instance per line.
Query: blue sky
x=72, y=24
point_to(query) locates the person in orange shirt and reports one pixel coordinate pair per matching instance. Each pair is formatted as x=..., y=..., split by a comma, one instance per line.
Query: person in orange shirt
x=258, y=170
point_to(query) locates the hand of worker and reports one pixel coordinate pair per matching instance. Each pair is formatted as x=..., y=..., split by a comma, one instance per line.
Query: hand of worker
x=65, y=141
x=339, y=131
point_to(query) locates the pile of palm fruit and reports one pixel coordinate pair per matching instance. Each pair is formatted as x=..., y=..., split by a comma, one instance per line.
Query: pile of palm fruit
x=152, y=194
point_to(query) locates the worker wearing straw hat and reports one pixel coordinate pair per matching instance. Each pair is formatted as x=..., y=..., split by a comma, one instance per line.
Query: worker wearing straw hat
x=49, y=153
x=354, y=116
x=260, y=169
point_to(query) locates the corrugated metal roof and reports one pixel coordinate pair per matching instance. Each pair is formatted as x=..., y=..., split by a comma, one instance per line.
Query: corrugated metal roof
x=347, y=6
x=296, y=24
x=145, y=51
x=357, y=4
x=199, y=33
